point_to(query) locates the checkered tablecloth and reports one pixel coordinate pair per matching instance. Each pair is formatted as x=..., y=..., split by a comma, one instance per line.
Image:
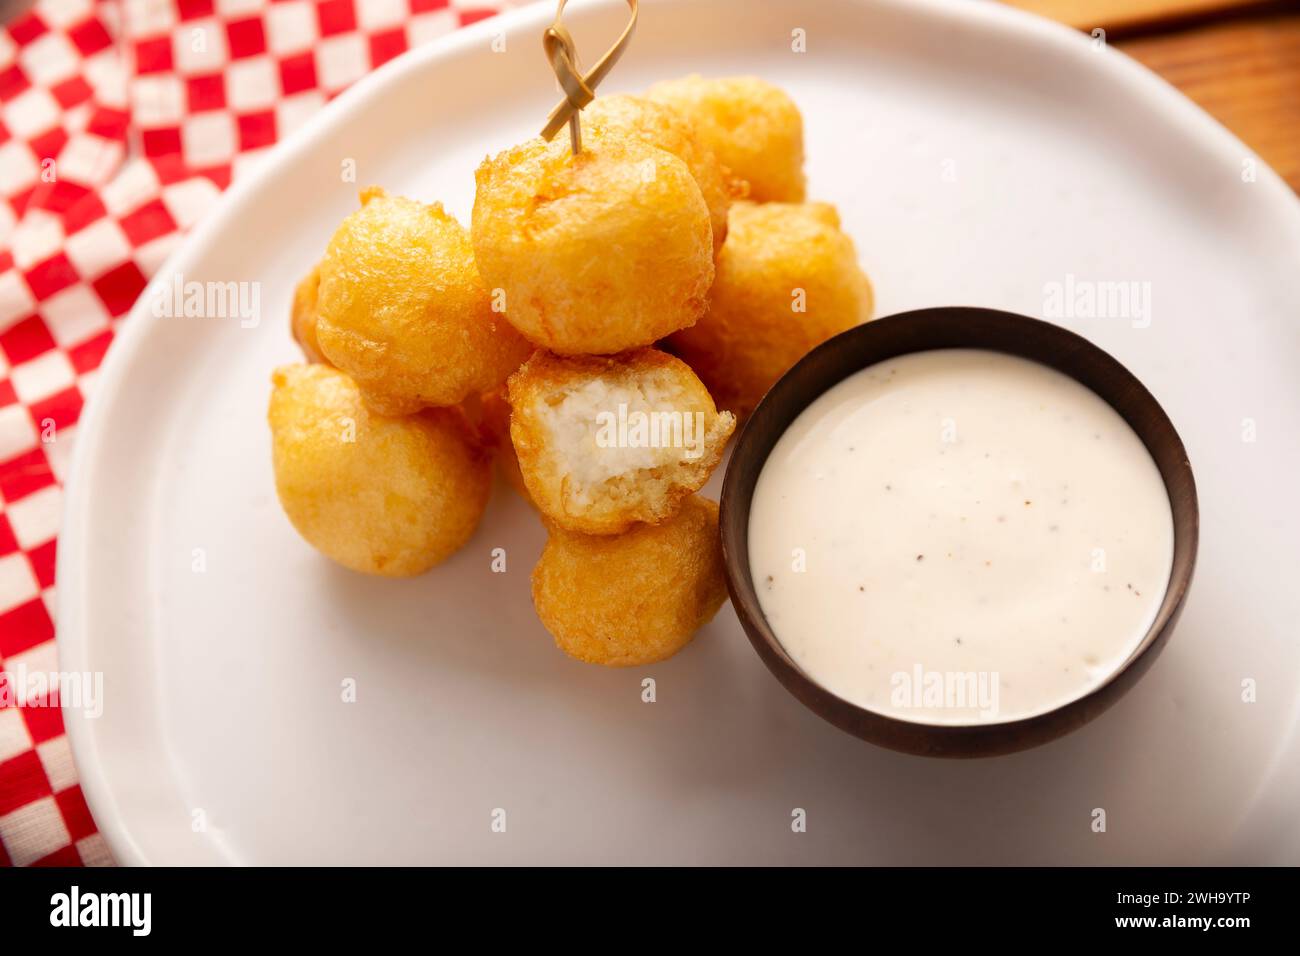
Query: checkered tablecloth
x=121, y=121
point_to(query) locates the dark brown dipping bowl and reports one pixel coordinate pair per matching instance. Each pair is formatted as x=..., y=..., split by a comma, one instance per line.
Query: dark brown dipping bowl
x=920, y=331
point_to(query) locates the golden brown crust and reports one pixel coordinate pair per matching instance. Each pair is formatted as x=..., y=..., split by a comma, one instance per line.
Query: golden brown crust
x=304, y=316
x=386, y=496
x=494, y=427
x=778, y=258
x=596, y=253
x=753, y=127
x=634, y=598
x=660, y=125
x=404, y=312
x=605, y=442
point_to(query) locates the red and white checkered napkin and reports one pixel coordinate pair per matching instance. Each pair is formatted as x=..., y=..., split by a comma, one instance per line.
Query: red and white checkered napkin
x=120, y=123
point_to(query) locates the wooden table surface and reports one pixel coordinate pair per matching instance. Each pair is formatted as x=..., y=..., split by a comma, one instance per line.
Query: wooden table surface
x=1239, y=59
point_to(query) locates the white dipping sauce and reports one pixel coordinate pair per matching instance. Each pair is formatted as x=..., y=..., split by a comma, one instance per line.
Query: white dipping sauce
x=960, y=536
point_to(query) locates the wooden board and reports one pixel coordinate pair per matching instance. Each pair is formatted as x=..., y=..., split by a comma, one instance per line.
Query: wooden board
x=1126, y=14
x=1244, y=73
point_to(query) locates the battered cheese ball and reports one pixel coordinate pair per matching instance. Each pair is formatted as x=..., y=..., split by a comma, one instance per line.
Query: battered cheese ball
x=494, y=425
x=779, y=259
x=605, y=442
x=305, y=315
x=662, y=126
x=404, y=312
x=634, y=598
x=753, y=128
x=595, y=253
x=387, y=496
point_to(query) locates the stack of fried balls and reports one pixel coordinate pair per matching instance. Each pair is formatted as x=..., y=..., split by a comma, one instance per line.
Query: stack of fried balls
x=598, y=330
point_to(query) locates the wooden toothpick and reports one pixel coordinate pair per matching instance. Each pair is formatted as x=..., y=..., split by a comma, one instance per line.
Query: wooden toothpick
x=579, y=89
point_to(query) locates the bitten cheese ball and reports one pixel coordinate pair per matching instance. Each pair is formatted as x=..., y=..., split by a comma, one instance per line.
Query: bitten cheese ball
x=753, y=128
x=633, y=598
x=788, y=279
x=605, y=442
x=662, y=126
x=404, y=312
x=304, y=316
x=387, y=496
x=595, y=253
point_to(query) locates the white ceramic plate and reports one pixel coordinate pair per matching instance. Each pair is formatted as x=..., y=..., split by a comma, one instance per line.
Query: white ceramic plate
x=976, y=155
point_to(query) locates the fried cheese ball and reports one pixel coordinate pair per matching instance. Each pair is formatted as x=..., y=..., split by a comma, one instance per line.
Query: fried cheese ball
x=595, y=253
x=387, y=496
x=304, y=316
x=634, y=598
x=662, y=126
x=753, y=128
x=605, y=442
x=404, y=312
x=788, y=280
x=494, y=425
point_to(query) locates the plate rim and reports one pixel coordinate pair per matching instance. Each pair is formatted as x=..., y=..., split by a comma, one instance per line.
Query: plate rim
x=71, y=632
